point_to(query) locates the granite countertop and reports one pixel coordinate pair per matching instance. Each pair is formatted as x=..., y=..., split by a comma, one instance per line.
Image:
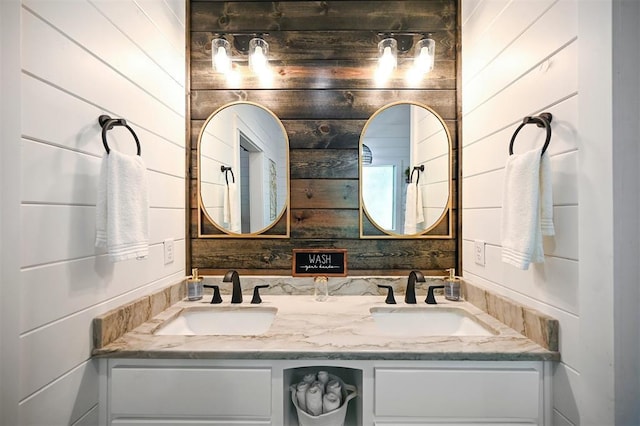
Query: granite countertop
x=338, y=328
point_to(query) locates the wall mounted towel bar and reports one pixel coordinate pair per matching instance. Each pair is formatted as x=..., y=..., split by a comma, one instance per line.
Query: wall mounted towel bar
x=226, y=171
x=418, y=169
x=542, y=120
x=107, y=123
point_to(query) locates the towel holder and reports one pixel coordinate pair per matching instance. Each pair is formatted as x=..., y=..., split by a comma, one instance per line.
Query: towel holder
x=418, y=169
x=543, y=120
x=226, y=171
x=107, y=123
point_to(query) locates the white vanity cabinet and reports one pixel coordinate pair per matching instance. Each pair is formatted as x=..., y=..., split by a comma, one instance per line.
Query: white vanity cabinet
x=172, y=392
x=181, y=392
x=460, y=393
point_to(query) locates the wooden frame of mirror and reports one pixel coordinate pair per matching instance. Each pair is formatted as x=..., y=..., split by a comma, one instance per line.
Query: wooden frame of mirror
x=208, y=227
x=442, y=226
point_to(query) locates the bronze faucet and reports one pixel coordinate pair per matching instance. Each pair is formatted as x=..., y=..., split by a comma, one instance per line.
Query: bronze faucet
x=233, y=277
x=410, y=294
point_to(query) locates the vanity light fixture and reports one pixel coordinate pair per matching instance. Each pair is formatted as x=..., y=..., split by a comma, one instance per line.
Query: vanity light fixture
x=252, y=45
x=220, y=55
x=400, y=44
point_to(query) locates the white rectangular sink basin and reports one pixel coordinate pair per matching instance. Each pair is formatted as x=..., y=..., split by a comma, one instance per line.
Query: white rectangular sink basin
x=428, y=321
x=220, y=321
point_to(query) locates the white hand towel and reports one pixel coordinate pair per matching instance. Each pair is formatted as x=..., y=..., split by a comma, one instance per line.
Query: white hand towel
x=226, y=206
x=410, y=213
x=546, y=197
x=419, y=205
x=527, y=208
x=234, y=222
x=122, y=207
x=413, y=213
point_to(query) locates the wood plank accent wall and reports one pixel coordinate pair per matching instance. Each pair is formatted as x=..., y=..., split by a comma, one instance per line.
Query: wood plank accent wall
x=323, y=54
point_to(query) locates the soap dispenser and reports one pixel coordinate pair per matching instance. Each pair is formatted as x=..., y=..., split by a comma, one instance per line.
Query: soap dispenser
x=452, y=286
x=195, y=289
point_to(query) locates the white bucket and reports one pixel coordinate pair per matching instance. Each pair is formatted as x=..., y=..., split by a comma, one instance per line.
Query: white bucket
x=332, y=418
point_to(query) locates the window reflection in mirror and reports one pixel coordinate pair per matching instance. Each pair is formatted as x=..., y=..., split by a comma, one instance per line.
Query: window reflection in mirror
x=379, y=194
x=397, y=199
x=243, y=169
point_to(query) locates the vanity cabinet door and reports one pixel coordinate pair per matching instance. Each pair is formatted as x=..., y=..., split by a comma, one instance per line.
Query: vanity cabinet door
x=223, y=393
x=458, y=393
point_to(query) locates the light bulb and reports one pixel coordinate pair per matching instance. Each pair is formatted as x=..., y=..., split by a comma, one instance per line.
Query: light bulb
x=425, y=55
x=221, y=61
x=424, y=61
x=387, y=61
x=258, y=61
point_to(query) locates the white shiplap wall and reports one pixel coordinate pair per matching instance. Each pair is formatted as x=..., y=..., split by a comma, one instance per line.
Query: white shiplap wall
x=522, y=58
x=80, y=59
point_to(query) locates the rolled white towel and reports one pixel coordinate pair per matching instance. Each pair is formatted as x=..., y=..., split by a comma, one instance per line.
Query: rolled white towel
x=330, y=402
x=335, y=387
x=323, y=377
x=314, y=401
x=301, y=395
x=319, y=385
x=309, y=378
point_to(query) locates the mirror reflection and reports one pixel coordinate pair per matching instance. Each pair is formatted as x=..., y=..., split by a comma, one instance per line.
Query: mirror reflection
x=243, y=168
x=405, y=164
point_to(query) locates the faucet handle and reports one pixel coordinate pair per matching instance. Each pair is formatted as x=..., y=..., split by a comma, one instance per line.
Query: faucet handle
x=256, y=293
x=216, y=293
x=431, y=300
x=390, y=300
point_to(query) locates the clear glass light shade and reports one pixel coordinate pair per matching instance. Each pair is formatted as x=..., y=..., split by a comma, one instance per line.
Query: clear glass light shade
x=258, y=55
x=220, y=59
x=425, y=53
x=387, y=55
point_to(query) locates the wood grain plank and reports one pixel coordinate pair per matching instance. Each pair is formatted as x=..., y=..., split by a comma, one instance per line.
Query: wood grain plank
x=330, y=134
x=324, y=193
x=324, y=164
x=379, y=15
x=261, y=255
x=324, y=104
x=324, y=223
x=322, y=74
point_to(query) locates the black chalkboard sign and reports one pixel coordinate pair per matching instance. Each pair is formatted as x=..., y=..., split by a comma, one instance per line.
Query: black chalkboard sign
x=319, y=262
